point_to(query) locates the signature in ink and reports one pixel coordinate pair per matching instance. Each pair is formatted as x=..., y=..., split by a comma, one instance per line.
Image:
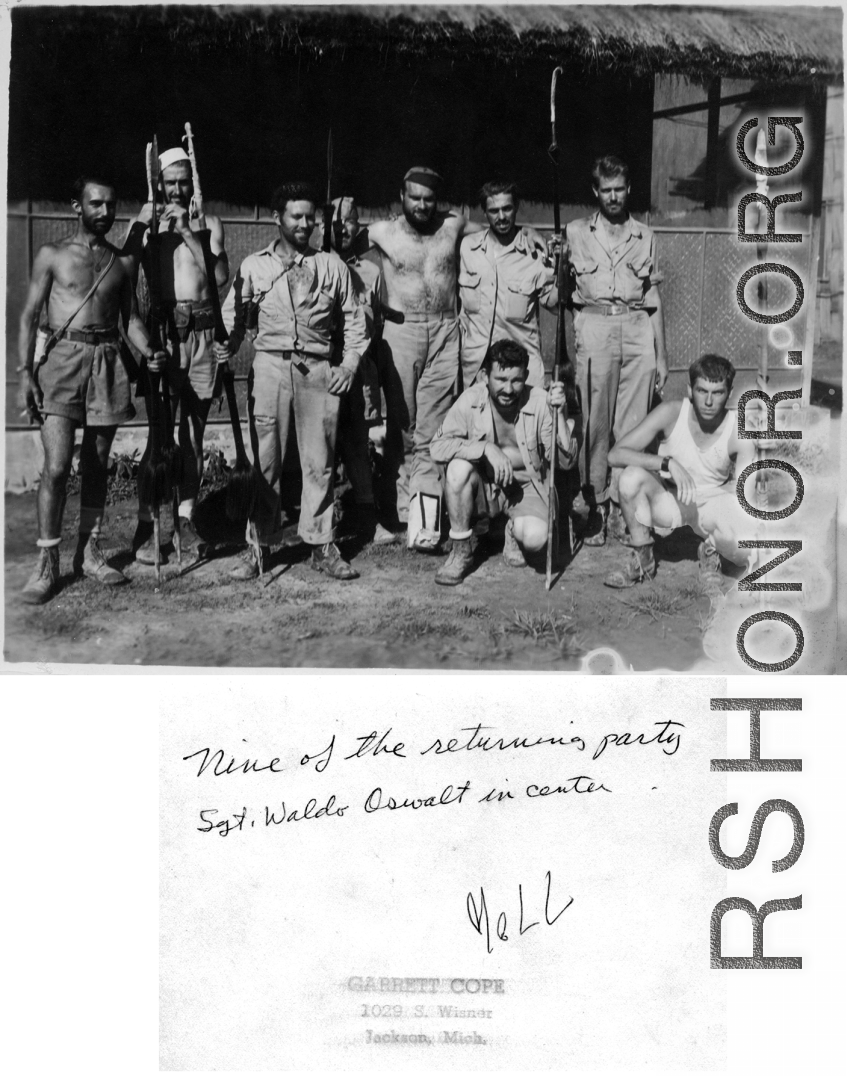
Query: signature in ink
x=481, y=919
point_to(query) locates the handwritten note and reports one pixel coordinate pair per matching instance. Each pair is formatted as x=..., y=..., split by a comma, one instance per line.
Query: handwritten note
x=468, y=866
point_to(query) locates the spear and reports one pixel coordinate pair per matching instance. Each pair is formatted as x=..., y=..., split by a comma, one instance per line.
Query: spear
x=562, y=366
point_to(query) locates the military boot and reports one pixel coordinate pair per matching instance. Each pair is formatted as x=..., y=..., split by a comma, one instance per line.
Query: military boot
x=513, y=555
x=44, y=581
x=457, y=565
x=90, y=561
x=639, y=566
x=709, y=569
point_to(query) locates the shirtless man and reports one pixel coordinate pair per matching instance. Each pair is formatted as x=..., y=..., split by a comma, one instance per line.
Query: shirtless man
x=419, y=358
x=188, y=312
x=495, y=442
x=81, y=379
x=689, y=482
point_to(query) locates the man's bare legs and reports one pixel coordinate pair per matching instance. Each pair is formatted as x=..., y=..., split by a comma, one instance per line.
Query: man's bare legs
x=461, y=488
x=194, y=415
x=639, y=491
x=94, y=481
x=57, y=439
x=460, y=491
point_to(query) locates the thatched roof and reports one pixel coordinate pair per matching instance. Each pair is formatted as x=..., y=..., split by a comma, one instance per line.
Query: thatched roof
x=771, y=43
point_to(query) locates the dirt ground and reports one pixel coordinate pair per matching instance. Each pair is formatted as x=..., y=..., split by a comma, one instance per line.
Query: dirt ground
x=394, y=616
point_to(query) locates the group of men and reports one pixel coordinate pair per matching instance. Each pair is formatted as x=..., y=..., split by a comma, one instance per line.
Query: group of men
x=427, y=321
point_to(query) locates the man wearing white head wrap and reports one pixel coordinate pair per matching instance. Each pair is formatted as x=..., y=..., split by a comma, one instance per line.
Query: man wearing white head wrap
x=362, y=404
x=187, y=310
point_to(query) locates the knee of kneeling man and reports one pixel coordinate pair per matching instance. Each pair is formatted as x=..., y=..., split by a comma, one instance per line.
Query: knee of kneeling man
x=531, y=534
x=458, y=472
x=630, y=482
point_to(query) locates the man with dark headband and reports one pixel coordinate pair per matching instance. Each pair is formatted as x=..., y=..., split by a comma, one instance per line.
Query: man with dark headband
x=420, y=343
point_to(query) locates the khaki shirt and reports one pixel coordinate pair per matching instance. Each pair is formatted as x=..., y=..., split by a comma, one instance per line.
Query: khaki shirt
x=469, y=426
x=601, y=276
x=307, y=325
x=500, y=296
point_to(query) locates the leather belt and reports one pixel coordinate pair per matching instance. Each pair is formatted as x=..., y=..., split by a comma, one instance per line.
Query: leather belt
x=608, y=311
x=94, y=337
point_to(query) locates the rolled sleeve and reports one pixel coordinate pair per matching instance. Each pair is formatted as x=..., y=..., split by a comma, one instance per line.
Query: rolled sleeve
x=452, y=441
x=353, y=321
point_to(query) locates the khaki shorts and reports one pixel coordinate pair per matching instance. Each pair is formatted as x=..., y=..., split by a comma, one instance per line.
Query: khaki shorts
x=86, y=383
x=703, y=515
x=193, y=359
x=520, y=499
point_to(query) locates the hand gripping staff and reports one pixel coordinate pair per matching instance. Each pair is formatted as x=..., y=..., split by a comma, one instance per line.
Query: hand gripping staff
x=562, y=366
x=242, y=488
x=154, y=478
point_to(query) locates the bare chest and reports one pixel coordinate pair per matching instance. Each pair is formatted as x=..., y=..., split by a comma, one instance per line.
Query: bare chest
x=504, y=433
x=74, y=273
x=423, y=255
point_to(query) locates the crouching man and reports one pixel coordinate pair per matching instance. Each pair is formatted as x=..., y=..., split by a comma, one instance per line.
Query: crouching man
x=689, y=482
x=495, y=441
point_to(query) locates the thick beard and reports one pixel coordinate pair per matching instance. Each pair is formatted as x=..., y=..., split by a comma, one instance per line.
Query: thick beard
x=416, y=224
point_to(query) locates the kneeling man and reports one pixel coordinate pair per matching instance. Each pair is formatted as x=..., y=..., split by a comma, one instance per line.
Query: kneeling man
x=495, y=441
x=690, y=481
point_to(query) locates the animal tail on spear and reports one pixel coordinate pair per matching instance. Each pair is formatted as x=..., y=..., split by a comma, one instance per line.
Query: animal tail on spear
x=242, y=488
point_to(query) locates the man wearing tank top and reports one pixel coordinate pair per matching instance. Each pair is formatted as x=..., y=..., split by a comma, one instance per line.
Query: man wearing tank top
x=689, y=482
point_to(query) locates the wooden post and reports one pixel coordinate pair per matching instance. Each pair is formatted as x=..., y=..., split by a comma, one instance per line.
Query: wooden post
x=811, y=316
x=710, y=194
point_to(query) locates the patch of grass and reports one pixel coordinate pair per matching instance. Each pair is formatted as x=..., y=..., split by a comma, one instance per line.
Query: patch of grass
x=689, y=593
x=541, y=625
x=549, y=628
x=475, y=611
x=655, y=604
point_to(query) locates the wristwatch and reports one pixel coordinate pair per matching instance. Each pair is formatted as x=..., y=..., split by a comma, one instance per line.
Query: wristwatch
x=665, y=468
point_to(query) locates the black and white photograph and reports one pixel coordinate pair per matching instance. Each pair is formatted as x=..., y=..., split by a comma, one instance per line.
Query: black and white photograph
x=425, y=337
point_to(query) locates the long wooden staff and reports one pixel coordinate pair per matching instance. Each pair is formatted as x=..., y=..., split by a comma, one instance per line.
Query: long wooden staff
x=552, y=498
x=242, y=488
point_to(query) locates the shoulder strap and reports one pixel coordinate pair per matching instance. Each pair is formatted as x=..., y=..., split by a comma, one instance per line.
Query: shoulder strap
x=58, y=333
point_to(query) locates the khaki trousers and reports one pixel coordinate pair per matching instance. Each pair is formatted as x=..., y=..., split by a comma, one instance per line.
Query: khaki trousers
x=419, y=362
x=279, y=392
x=616, y=373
